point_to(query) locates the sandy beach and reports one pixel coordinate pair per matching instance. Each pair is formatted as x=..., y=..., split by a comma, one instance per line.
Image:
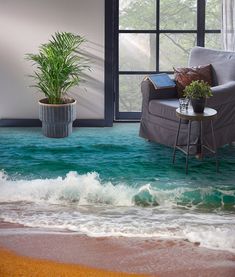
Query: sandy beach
x=14, y=266
x=74, y=255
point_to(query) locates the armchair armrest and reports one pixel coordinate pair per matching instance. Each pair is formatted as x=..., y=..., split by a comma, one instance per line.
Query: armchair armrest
x=222, y=94
x=149, y=92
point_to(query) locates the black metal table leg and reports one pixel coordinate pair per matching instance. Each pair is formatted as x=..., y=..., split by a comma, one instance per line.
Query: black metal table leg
x=214, y=146
x=190, y=115
x=188, y=144
x=176, y=141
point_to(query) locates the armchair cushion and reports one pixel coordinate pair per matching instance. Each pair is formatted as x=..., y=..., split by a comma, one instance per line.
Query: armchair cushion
x=185, y=75
x=164, y=108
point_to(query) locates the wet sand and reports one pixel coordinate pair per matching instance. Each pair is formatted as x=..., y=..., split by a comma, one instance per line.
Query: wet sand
x=12, y=265
x=129, y=255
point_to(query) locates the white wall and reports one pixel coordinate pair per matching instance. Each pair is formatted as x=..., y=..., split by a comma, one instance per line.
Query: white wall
x=24, y=25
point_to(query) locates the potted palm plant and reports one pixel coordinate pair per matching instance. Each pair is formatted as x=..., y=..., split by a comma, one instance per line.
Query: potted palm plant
x=58, y=68
x=197, y=92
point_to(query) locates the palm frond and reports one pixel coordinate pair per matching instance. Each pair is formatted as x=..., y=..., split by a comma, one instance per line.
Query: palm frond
x=58, y=65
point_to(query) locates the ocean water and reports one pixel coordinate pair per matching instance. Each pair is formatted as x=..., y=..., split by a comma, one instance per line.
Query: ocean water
x=110, y=182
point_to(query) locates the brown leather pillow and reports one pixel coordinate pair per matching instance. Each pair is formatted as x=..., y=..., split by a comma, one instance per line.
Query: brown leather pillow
x=185, y=75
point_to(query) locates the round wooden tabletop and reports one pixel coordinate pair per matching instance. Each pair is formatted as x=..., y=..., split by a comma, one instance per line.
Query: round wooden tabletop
x=191, y=115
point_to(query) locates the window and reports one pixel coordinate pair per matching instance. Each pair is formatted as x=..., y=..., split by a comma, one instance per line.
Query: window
x=213, y=23
x=155, y=35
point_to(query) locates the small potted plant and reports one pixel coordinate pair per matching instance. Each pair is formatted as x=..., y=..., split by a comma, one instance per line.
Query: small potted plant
x=197, y=92
x=58, y=68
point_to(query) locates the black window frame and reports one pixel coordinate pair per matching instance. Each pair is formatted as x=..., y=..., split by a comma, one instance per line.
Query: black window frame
x=200, y=32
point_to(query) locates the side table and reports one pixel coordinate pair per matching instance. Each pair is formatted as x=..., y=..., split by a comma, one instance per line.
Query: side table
x=209, y=114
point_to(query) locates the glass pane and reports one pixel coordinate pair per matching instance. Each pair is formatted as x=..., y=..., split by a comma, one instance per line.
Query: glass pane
x=137, y=52
x=175, y=49
x=213, y=14
x=213, y=41
x=130, y=97
x=137, y=14
x=178, y=14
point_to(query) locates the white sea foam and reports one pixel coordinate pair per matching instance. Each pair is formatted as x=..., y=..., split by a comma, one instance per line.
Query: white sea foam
x=82, y=189
x=88, y=189
x=86, y=205
x=216, y=237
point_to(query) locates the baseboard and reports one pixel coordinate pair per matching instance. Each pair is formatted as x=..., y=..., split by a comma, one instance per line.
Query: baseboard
x=37, y=123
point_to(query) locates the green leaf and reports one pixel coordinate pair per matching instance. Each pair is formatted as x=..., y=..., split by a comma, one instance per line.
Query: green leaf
x=198, y=89
x=58, y=65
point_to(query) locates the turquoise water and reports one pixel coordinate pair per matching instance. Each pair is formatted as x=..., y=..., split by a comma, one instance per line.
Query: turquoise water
x=109, y=181
x=118, y=150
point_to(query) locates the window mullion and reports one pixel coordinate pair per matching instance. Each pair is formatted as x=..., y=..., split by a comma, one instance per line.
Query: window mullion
x=201, y=14
x=157, y=34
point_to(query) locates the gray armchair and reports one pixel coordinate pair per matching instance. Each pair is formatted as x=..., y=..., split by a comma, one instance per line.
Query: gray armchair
x=159, y=122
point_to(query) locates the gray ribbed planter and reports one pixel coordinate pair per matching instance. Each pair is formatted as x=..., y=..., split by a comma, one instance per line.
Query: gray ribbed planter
x=57, y=119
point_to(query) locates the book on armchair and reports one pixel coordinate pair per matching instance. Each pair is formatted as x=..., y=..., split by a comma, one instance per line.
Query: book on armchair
x=161, y=80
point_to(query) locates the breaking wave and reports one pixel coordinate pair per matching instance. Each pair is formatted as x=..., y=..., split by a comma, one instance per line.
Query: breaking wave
x=87, y=205
x=88, y=189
